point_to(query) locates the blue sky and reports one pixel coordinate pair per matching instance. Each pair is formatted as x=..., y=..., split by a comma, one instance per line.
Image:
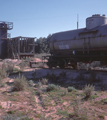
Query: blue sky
x=39, y=18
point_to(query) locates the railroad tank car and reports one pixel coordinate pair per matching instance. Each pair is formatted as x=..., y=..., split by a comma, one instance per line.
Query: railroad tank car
x=80, y=45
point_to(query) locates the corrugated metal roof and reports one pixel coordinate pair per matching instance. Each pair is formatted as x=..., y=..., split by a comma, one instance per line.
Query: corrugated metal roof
x=80, y=33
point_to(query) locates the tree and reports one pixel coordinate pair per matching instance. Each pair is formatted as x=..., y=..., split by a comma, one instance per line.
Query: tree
x=43, y=44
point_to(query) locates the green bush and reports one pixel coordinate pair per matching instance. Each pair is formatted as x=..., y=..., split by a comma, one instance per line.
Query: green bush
x=70, y=89
x=19, y=83
x=52, y=87
x=88, y=90
x=30, y=82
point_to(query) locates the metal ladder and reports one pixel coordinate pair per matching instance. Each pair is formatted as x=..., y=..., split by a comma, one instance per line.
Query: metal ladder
x=86, y=45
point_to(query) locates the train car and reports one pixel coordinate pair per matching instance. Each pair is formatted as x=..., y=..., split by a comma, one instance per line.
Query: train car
x=81, y=45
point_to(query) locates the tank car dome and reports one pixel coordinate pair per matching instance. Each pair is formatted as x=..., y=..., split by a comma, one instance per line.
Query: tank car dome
x=95, y=20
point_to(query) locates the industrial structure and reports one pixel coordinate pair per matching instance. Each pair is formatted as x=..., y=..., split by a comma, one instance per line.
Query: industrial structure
x=17, y=47
x=80, y=45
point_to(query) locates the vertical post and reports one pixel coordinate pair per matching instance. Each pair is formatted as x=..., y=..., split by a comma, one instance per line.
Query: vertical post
x=77, y=21
x=19, y=48
x=34, y=46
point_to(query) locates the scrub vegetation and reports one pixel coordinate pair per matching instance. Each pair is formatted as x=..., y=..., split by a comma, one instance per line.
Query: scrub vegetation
x=46, y=98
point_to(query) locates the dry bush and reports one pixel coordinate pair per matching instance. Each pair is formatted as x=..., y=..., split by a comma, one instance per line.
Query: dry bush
x=20, y=83
x=22, y=65
x=39, y=92
x=80, y=113
x=3, y=74
x=88, y=90
x=7, y=68
x=44, y=81
x=10, y=67
x=77, y=107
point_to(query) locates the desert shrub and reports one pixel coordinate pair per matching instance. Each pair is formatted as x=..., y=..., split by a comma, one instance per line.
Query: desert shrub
x=70, y=89
x=62, y=112
x=88, y=90
x=30, y=82
x=3, y=74
x=103, y=101
x=44, y=81
x=52, y=87
x=43, y=117
x=10, y=67
x=80, y=113
x=19, y=83
x=16, y=69
x=4, y=65
x=39, y=92
x=44, y=89
x=26, y=118
x=39, y=84
x=77, y=107
x=2, y=84
x=27, y=61
x=9, y=117
x=22, y=65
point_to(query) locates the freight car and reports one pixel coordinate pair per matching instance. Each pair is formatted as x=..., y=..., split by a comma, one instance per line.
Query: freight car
x=80, y=45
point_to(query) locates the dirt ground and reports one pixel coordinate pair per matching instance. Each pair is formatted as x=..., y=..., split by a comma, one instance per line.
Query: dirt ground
x=36, y=103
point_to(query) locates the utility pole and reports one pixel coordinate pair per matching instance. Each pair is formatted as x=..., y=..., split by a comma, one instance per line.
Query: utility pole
x=77, y=21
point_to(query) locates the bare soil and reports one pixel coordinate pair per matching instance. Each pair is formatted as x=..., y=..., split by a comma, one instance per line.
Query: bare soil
x=57, y=104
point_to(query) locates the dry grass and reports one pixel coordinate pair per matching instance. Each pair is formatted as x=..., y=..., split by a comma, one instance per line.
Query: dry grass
x=20, y=83
x=88, y=90
x=47, y=101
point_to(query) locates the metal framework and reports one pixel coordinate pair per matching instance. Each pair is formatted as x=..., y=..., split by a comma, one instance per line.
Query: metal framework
x=21, y=47
x=6, y=25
